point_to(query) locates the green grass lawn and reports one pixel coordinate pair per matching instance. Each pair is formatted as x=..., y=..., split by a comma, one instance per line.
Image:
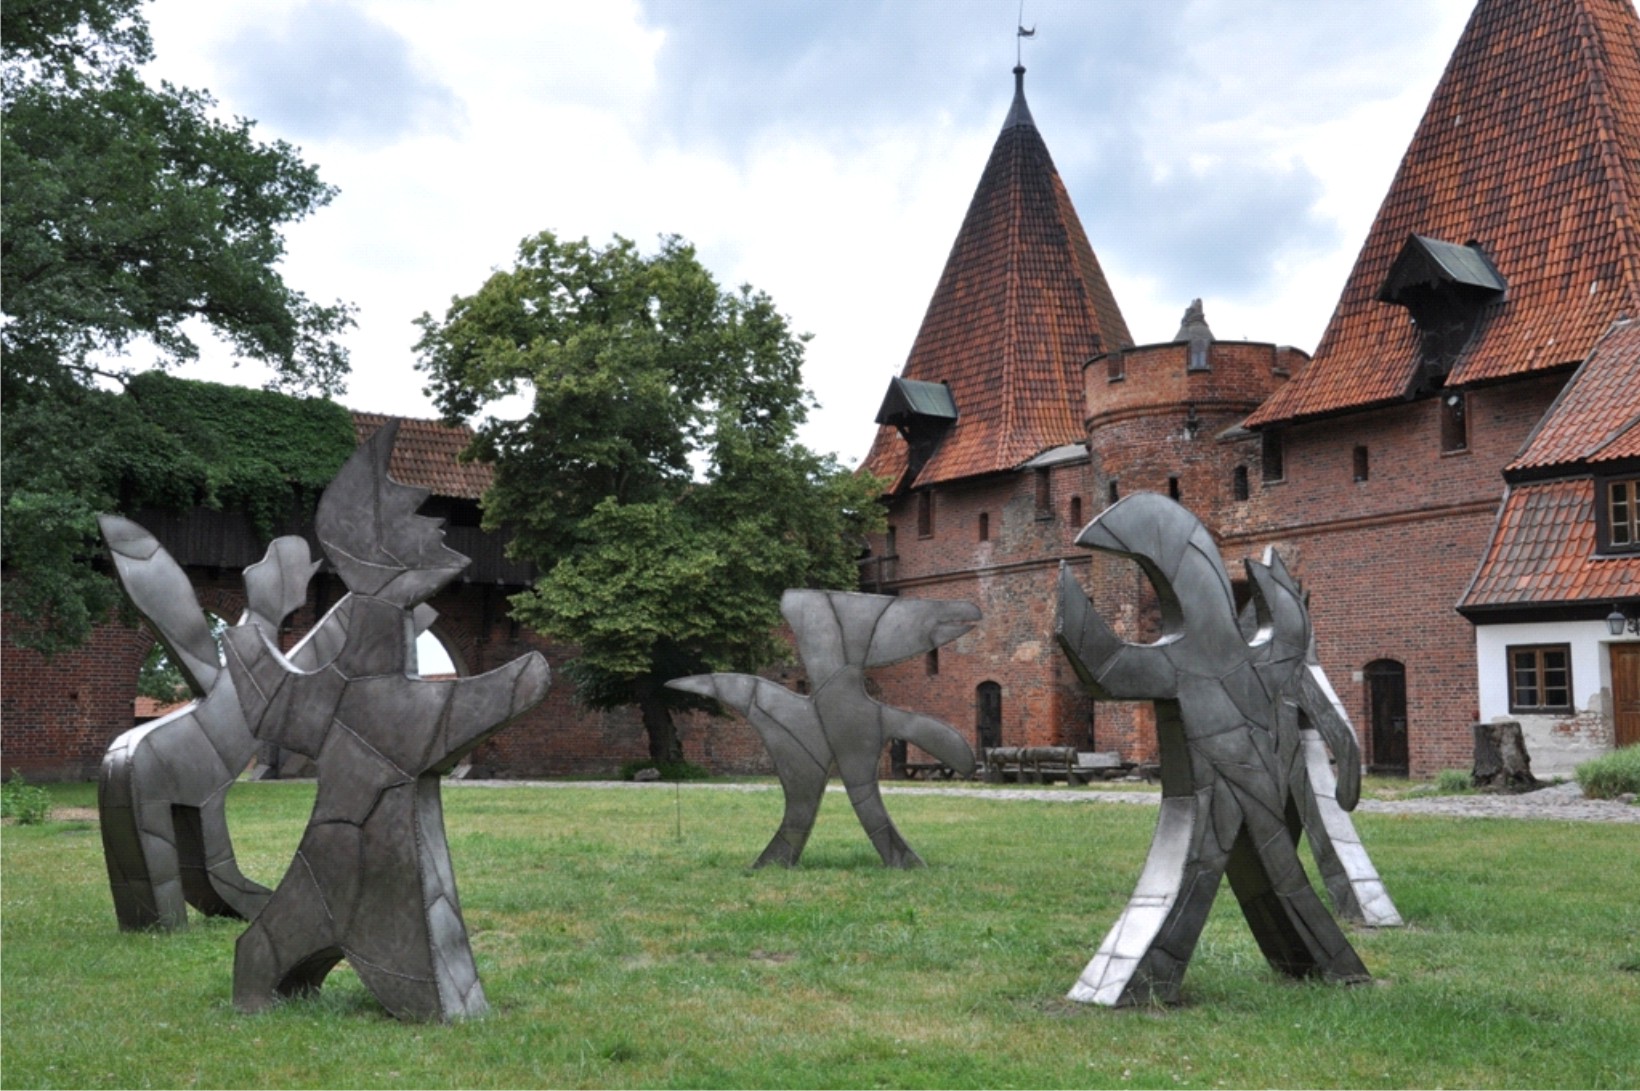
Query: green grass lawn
x=623, y=942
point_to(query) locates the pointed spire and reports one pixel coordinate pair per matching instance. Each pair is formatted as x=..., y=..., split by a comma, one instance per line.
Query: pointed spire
x=1021, y=305
x=1526, y=155
x=1019, y=113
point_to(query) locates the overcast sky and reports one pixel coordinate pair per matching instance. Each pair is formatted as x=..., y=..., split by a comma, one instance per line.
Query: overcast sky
x=822, y=151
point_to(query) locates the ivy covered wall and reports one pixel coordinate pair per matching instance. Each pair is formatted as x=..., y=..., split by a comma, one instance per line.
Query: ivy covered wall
x=162, y=442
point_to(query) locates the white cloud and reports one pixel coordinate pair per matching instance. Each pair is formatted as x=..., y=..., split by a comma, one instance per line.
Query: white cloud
x=1232, y=149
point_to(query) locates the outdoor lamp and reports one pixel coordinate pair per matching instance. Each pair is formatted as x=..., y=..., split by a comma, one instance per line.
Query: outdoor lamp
x=1617, y=621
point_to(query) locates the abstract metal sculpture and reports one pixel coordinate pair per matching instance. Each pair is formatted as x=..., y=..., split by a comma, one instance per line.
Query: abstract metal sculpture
x=1219, y=701
x=160, y=797
x=372, y=880
x=839, y=634
x=1312, y=722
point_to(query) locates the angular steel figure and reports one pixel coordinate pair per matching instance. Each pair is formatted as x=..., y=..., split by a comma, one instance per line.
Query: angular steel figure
x=1313, y=721
x=839, y=634
x=160, y=797
x=1218, y=698
x=372, y=880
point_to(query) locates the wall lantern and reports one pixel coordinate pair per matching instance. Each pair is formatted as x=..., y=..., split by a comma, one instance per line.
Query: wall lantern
x=1617, y=621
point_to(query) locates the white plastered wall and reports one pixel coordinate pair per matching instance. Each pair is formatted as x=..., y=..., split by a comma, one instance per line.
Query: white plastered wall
x=1558, y=743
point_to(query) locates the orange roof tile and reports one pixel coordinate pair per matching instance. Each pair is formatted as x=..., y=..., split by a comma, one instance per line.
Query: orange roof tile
x=1543, y=552
x=425, y=454
x=151, y=708
x=1021, y=305
x=1595, y=417
x=1530, y=147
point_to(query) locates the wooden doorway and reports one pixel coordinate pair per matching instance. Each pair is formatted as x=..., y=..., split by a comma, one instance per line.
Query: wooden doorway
x=988, y=716
x=1386, y=682
x=1626, y=693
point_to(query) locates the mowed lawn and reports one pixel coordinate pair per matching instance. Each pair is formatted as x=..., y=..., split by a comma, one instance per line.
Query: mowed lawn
x=623, y=942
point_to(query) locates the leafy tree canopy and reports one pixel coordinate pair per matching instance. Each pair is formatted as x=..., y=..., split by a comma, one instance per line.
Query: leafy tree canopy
x=128, y=212
x=164, y=443
x=656, y=483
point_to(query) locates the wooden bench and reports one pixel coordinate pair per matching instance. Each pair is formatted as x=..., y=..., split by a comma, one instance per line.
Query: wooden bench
x=1047, y=764
x=928, y=770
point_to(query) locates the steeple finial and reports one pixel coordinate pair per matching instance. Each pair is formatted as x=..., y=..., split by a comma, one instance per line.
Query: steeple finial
x=1019, y=113
x=1019, y=41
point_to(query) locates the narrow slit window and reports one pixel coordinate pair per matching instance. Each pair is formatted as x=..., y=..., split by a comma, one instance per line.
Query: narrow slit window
x=985, y=526
x=932, y=662
x=1113, y=494
x=1044, y=495
x=1454, y=422
x=1173, y=488
x=1273, y=456
x=1076, y=511
x=925, y=514
x=1360, y=461
x=1238, y=483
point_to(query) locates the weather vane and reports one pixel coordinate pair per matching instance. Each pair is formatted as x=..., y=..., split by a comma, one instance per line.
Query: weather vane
x=1019, y=45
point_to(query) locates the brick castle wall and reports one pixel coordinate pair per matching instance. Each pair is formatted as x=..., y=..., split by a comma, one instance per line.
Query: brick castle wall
x=1386, y=559
x=58, y=715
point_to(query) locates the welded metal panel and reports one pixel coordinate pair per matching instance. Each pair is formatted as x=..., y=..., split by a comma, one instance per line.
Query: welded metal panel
x=1218, y=695
x=839, y=634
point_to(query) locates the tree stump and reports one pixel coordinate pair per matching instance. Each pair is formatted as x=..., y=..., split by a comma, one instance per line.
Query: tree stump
x=1501, y=761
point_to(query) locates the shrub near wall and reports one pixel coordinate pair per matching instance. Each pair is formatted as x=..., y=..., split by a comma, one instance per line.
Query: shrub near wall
x=1611, y=775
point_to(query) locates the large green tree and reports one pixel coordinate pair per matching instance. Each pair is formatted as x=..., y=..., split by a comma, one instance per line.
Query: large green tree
x=129, y=215
x=656, y=481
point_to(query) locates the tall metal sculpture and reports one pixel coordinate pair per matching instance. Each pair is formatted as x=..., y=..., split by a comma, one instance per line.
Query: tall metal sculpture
x=372, y=880
x=1311, y=723
x=839, y=634
x=161, y=793
x=1218, y=698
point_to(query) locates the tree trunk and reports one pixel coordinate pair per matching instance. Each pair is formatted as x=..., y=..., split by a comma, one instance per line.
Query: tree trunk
x=1501, y=761
x=664, y=744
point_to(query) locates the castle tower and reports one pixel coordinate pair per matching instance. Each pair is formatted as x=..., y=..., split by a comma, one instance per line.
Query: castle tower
x=1506, y=247
x=982, y=448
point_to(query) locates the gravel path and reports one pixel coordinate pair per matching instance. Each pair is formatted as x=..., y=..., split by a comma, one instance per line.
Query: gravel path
x=1561, y=803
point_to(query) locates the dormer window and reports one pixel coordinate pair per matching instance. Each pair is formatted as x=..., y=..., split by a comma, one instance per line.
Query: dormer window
x=922, y=413
x=1446, y=289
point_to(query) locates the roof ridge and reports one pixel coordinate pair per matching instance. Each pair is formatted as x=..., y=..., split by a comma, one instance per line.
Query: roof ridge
x=1010, y=302
x=1620, y=432
x=1595, y=51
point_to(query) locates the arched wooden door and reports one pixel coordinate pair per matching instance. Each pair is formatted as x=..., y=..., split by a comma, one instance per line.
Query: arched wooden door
x=1386, y=683
x=988, y=715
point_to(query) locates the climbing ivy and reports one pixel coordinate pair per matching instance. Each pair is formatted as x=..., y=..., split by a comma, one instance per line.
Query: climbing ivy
x=163, y=443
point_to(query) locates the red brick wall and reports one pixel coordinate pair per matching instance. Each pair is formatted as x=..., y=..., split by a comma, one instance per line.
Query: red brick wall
x=1011, y=576
x=57, y=716
x=1386, y=559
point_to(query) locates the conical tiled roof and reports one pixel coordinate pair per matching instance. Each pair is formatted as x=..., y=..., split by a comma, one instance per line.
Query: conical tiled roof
x=1530, y=148
x=1021, y=306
